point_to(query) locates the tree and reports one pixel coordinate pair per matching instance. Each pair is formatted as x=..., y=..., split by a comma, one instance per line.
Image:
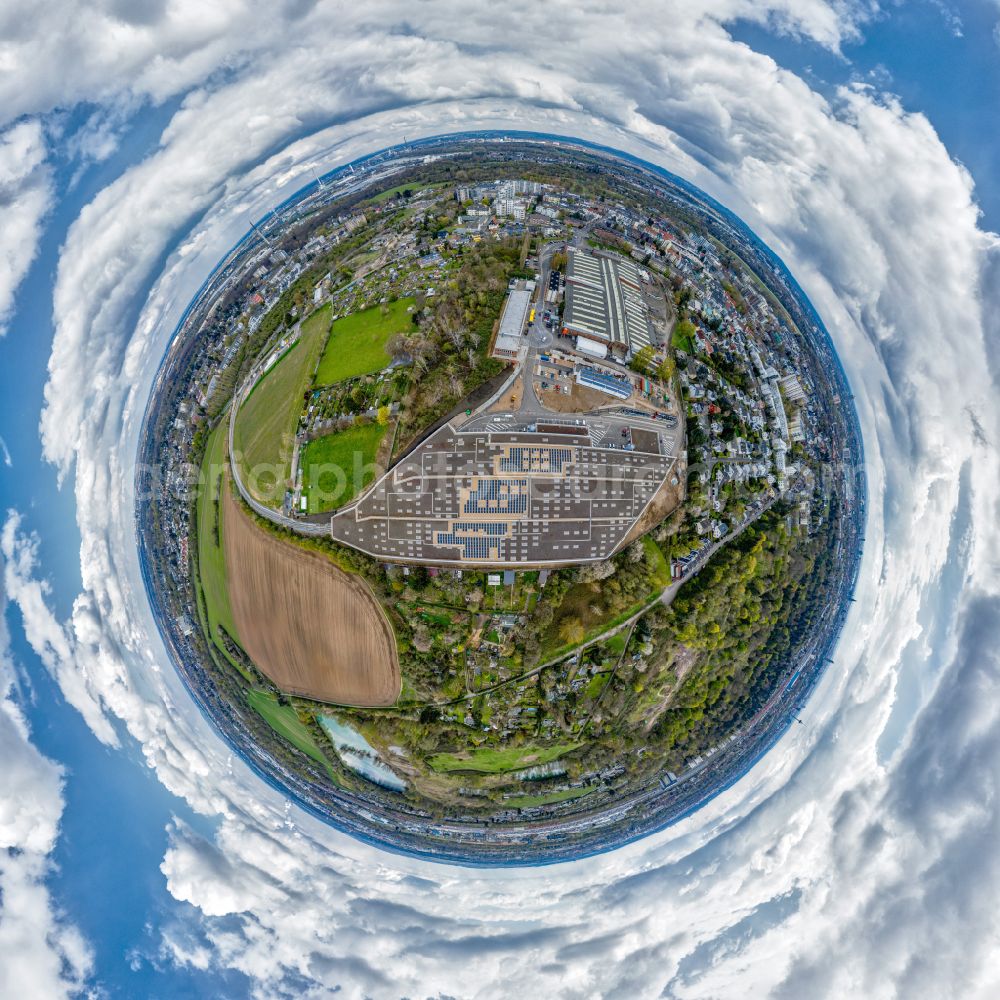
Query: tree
x=643, y=361
x=383, y=416
x=571, y=631
x=666, y=370
x=589, y=572
x=398, y=345
x=422, y=641
x=684, y=335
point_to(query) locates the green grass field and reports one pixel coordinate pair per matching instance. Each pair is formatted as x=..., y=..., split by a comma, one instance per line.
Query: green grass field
x=596, y=685
x=660, y=575
x=527, y=801
x=400, y=188
x=488, y=761
x=352, y=451
x=284, y=720
x=616, y=644
x=211, y=557
x=681, y=339
x=357, y=343
x=268, y=420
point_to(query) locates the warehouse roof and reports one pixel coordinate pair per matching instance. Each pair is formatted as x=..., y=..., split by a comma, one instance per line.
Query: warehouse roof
x=512, y=321
x=604, y=300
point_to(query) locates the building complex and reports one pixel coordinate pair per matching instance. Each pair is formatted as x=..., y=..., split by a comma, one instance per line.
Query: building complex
x=606, y=308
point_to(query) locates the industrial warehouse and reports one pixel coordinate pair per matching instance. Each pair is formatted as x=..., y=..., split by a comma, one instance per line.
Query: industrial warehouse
x=606, y=309
x=512, y=322
x=543, y=497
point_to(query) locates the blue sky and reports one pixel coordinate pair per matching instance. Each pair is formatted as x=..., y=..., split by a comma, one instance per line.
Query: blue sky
x=179, y=872
x=113, y=829
x=939, y=60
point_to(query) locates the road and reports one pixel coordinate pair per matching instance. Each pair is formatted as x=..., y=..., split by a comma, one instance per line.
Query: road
x=665, y=597
x=274, y=516
x=537, y=336
x=530, y=411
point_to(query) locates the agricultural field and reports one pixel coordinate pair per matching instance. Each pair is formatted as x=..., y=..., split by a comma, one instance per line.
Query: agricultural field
x=267, y=422
x=350, y=451
x=211, y=560
x=488, y=761
x=313, y=629
x=357, y=342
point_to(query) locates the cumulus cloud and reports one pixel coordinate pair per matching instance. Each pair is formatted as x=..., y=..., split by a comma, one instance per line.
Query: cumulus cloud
x=154, y=50
x=58, y=646
x=43, y=953
x=839, y=865
x=25, y=197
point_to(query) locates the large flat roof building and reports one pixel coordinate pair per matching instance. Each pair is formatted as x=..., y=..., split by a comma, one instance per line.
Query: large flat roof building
x=604, y=301
x=515, y=312
x=550, y=496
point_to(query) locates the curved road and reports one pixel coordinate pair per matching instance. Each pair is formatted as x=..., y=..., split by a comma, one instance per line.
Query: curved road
x=276, y=517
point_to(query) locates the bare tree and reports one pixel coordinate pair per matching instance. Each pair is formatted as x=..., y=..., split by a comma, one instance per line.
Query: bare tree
x=591, y=572
x=422, y=641
x=398, y=345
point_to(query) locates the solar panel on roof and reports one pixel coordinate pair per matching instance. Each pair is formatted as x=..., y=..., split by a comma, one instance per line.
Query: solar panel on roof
x=501, y=496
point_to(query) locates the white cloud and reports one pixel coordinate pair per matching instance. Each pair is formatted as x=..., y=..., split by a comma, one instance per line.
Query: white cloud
x=58, y=646
x=155, y=49
x=25, y=197
x=42, y=954
x=827, y=871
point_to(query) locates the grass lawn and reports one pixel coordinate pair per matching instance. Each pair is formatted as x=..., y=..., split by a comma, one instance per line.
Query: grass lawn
x=438, y=621
x=211, y=557
x=660, y=574
x=284, y=720
x=579, y=598
x=268, y=420
x=357, y=343
x=400, y=188
x=527, y=801
x=680, y=340
x=616, y=644
x=489, y=761
x=353, y=452
x=596, y=685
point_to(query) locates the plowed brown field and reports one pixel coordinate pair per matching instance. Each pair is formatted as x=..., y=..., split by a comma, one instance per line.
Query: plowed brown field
x=315, y=630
